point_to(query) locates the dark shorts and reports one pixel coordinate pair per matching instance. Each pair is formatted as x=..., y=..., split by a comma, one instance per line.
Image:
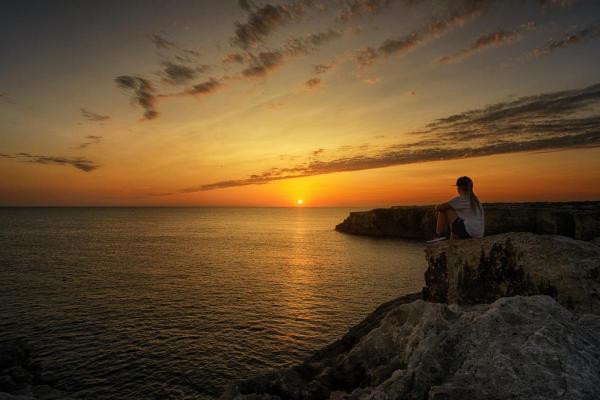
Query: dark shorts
x=458, y=229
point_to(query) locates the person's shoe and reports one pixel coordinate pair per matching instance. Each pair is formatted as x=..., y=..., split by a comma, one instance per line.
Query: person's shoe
x=436, y=239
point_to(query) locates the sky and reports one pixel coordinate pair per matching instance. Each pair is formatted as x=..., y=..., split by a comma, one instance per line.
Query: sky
x=352, y=103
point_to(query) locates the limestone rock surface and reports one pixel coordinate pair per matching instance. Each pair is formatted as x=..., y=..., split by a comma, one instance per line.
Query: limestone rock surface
x=515, y=348
x=482, y=270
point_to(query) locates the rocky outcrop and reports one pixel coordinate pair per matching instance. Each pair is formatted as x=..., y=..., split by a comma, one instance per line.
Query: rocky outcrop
x=482, y=270
x=514, y=348
x=23, y=378
x=576, y=220
x=523, y=323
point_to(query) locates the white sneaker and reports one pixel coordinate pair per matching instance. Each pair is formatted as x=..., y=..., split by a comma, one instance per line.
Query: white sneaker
x=437, y=239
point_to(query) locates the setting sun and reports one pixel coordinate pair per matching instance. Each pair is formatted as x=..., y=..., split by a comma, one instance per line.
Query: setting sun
x=299, y=202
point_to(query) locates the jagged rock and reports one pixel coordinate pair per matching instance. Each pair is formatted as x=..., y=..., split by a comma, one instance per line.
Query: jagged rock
x=22, y=378
x=8, y=396
x=517, y=347
x=7, y=384
x=482, y=270
x=576, y=220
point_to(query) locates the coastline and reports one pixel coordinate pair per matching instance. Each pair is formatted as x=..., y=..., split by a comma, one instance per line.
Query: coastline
x=507, y=308
x=513, y=315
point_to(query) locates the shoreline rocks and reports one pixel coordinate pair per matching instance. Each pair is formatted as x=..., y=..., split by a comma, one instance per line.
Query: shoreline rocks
x=578, y=220
x=23, y=378
x=526, y=326
x=517, y=347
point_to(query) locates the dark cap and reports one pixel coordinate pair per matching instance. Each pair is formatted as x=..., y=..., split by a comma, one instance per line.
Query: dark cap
x=464, y=181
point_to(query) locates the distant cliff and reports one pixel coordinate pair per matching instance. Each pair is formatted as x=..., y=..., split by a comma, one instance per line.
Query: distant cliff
x=575, y=220
x=512, y=316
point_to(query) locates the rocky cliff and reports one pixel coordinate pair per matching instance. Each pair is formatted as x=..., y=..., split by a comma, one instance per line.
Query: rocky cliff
x=22, y=377
x=482, y=270
x=576, y=220
x=543, y=346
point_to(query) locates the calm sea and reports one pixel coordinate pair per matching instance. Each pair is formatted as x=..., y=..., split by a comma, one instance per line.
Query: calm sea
x=148, y=303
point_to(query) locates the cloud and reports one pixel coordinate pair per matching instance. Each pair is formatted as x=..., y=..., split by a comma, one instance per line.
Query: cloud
x=551, y=121
x=257, y=66
x=317, y=152
x=458, y=13
x=178, y=73
x=82, y=164
x=318, y=39
x=581, y=36
x=322, y=68
x=303, y=45
x=267, y=61
x=369, y=55
x=262, y=21
x=233, y=58
x=492, y=39
x=92, y=139
x=160, y=42
x=143, y=93
x=207, y=87
x=92, y=116
x=313, y=83
x=189, y=56
x=263, y=63
x=355, y=8
x=246, y=5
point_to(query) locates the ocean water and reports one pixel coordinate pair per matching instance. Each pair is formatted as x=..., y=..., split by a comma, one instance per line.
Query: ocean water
x=173, y=303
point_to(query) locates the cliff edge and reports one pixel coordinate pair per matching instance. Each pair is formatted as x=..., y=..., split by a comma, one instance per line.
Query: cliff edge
x=576, y=220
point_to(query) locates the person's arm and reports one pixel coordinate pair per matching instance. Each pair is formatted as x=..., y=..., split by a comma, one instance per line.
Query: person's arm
x=443, y=207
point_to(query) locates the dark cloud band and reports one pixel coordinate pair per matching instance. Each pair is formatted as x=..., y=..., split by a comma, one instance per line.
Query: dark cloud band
x=82, y=164
x=552, y=121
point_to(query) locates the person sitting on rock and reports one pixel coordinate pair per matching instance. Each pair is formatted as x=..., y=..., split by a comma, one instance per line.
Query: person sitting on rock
x=461, y=216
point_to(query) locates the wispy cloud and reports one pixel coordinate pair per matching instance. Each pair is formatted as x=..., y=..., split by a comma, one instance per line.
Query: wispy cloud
x=354, y=8
x=492, y=39
x=322, y=68
x=90, y=140
x=580, y=36
x=457, y=15
x=5, y=97
x=160, y=42
x=246, y=5
x=230, y=58
x=207, y=87
x=94, y=117
x=267, y=61
x=313, y=83
x=264, y=62
x=82, y=164
x=262, y=21
x=178, y=74
x=552, y=121
x=143, y=93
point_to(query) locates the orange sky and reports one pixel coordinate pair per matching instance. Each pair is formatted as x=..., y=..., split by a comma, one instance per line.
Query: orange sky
x=335, y=103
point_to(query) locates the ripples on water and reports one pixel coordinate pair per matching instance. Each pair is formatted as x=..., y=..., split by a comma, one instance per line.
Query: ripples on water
x=175, y=302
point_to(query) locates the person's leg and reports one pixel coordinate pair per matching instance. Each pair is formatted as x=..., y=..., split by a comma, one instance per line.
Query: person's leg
x=450, y=218
x=442, y=223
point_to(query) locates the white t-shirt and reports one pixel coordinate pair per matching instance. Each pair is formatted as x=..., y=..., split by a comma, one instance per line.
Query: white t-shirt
x=473, y=218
